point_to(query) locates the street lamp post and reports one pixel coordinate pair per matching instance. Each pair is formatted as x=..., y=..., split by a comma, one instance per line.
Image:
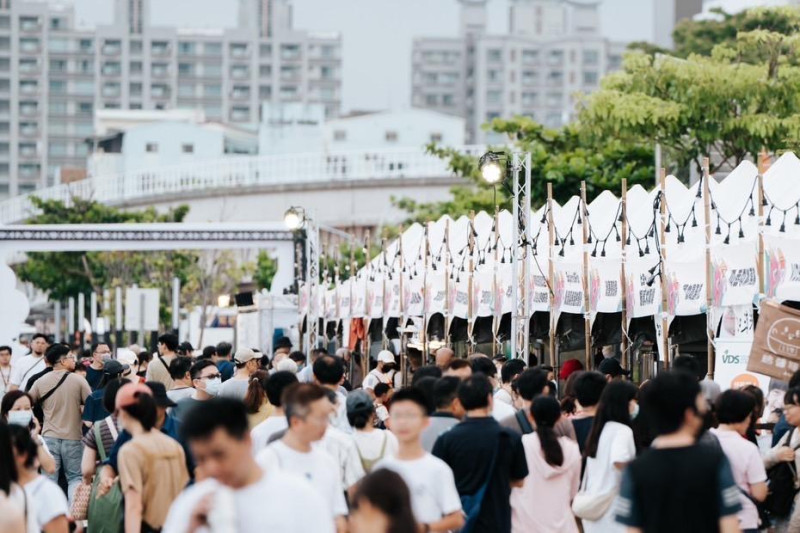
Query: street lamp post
x=494, y=167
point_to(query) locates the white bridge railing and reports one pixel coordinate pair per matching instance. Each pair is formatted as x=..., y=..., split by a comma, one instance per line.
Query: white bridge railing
x=236, y=172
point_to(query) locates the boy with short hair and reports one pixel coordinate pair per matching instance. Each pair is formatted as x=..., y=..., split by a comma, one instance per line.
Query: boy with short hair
x=382, y=395
x=434, y=497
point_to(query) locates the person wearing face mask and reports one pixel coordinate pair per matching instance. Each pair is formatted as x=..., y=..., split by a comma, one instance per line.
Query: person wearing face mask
x=207, y=383
x=608, y=450
x=678, y=484
x=246, y=362
x=383, y=373
x=16, y=408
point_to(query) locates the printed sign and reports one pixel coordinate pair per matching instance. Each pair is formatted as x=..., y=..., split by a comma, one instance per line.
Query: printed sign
x=686, y=288
x=782, y=267
x=730, y=367
x=735, y=274
x=605, y=292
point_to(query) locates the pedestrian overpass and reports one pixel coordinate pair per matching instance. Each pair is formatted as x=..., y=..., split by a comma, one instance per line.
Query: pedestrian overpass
x=343, y=189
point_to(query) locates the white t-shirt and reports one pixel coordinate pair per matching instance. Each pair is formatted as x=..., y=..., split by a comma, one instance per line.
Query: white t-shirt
x=370, y=444
x=262, y=432
x=279, y=501
x=179, y=394
x=502, y=395
x=342, y=448
x=306, y=374
x=615, y=446
x=502, y=410
x=234, y=388
x=376, y=376
x=747, y=467
x=316, y=466
x=431, y=483
x=50, y=500
x=27, y=506
x=339, y=421
x=26, y=367
x=381, y=412
x=5, y=380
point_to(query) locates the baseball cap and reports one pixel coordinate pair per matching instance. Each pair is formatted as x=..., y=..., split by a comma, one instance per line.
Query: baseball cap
x=385, y=356
x=358, y=401
x=112, y=367
x=611, y=367
x=244, y=355
x=160, y=394
x=126, y=356
x=569, y=367
x=127, y=394
x=283, y=342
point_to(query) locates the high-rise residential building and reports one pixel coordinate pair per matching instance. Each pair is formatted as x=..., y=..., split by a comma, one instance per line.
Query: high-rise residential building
x=54, y=75
x=667, y=13
x=553, y=50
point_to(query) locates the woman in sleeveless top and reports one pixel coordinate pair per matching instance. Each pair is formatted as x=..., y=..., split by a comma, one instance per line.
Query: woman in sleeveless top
x=372, y=444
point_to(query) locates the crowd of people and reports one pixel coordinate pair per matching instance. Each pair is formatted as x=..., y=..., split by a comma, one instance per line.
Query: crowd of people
x=239, y=441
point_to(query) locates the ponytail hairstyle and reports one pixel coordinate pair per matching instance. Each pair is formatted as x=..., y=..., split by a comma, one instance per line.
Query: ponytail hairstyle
x=546, y=411
x=256, y=395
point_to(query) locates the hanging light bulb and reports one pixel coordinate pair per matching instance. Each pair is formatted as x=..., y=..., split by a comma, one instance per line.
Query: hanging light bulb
x=647, y=248
x=752, y=207
x=741, y=232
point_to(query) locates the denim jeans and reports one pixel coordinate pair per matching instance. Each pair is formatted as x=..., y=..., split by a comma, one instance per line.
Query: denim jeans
x=67, y=454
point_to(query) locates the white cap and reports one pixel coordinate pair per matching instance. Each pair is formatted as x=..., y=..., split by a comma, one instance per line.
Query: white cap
x=244, y=355
x=385, y=356
x=286, y=365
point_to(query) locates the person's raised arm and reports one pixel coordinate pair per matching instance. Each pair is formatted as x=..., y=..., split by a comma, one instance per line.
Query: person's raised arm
x=88, y=464
x=450, y=522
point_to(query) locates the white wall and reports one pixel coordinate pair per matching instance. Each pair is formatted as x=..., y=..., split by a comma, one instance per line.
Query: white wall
x=170, y=138
x=414, y=127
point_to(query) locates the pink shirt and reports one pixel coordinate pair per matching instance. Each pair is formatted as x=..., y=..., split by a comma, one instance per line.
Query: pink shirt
x=543, y=504
x=748, y=469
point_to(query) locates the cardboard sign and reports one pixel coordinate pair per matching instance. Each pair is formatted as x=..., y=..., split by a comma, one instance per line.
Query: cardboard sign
x=776, y=347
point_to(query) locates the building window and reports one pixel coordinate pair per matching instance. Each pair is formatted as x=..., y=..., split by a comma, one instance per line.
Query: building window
x=431, y=100
x=494, y=55
x=185, y=69
x=56, y=24
x=436, y=137
x=86, y=66
x=112, y=47
x=83, y=87
x=111, y=89
x=159, y=48
x=136, y=67
x=159, y=90
x=529, y=99
x=290, y=51
x=530, y=56
x=58, y=87
x=212, y=49
x=289, y=91
x=151, y=148
x=529, y=77
x=135, y=89
x=590, y=77
x=29, y=23
x=86, y=46
x=265, y=71
x=186, y=48
x=240, y=113
x=239, y=71
x=448, y=100
x=29, y=45
x=290, y=72
x=212, y=89
x=28, y=108
x=212, y=69
x=187, y=148
x=391, y=136
x=240, y=91
x=85, y=108
x=112, y=68
x=239, y=49
x=340, y=135
x=555, y=57
x=58, y=65
x=591, y=57
x=159, y=69
x=186, y=89
x=494, y=97
x=265, y=92
x=493, y=76
x=265, y=50
x=135, y=47
x=554, y=99
x=28, y=86
x=28, y=65
x=326, y=72
x=555, y=77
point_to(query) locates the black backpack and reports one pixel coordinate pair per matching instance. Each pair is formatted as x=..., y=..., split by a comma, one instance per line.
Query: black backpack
x=780, y=483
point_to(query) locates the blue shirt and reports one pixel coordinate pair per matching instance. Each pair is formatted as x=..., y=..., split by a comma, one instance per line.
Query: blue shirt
x=226, y=369
x=93, y=409
x=94, y=377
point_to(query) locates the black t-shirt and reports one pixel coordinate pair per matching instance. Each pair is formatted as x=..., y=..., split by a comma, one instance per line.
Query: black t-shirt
x=93, y=377
x=583, y=426
x=468, y=447
x=33, y=378
x=678, y=489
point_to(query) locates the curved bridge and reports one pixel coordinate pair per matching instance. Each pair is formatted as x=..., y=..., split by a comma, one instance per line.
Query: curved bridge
x=351, y=188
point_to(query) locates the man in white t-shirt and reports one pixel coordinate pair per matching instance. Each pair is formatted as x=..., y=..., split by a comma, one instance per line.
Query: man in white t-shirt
x=276, y=384
x=430, y=481
x=383, y=373
x=29, y=365
x=5, y=369
x=329, y=374
x=237, y=494
x=308, y=410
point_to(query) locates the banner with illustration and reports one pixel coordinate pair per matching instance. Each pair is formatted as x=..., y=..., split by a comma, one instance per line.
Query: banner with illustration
x=359, y=299
x=483, y=293
x=343, y=298
x=391, y=298
x=782, y=267
x=686, y=288
x=413, y=302
x=605, y=293
x=375, y=298
x=330, y=305
x=504, y=291
x=734, y=273
x=737, y=322
x=643, y=288
x=435, y=292
x=538, y=290
x=459, y=297
x=568, y=288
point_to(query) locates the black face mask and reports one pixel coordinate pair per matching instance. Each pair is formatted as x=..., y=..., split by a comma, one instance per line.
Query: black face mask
x=388, y=366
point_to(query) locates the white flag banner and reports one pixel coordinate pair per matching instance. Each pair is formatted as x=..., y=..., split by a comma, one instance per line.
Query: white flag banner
x=686, y=288
x=302, y=298
x=359, y=301
x=330, y=304
x=737, y=322
x=605, y=293
x=343, y=297
x=375, y=298
x=459, y=298
x=435, y=292
x=642, y=299
x=735, y=274
x=413, y=303
x=483, y=293
x=568, y=289
x=782, y=267
x=504, y=294
x=391, y=299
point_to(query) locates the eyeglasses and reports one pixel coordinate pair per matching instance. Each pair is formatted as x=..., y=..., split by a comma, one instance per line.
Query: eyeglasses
x=212, y=376
x=69, y=356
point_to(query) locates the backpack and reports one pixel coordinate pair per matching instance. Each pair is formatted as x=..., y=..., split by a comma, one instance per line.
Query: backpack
x=781, y=489
x=106, y=512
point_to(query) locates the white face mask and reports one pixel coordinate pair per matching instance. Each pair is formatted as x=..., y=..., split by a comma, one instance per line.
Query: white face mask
x=635, y=411
x=213, y=386
x=20, y=418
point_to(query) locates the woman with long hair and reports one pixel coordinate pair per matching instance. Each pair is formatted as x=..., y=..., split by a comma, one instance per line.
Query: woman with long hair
x=152, y=466
x=569, y=404
x=609, y=448
x=13, y=498
x=542, y=504
x=382, y=504
x=17, y=408
x=255, y=399
x=51, y=504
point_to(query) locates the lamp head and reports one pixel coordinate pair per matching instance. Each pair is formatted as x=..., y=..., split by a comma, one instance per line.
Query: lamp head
x=492, y=168
x=294, y=218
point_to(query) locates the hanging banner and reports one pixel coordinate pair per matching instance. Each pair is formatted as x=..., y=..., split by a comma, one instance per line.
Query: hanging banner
x=642, y=299
x=686, y=288
x=343, y=298
x=605, y=293
x=359, y=299
x=302, y=299
x=737, y=322
x=391, y=299
x=735, y=274
x=435, y=292
x=483, y=293
x=459, y=298
x=568, y=289
x=730, y=367
x=330, y=304
x=413, y=304
x=375, y=298
x=504, y=293
x=782, y=267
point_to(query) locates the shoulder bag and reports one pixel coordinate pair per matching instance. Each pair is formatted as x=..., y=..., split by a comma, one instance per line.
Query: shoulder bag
x=105, y=513
x=592, y=507
x=781, y=480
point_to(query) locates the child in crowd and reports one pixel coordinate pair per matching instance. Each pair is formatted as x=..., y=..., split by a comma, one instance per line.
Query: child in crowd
x=383, y=395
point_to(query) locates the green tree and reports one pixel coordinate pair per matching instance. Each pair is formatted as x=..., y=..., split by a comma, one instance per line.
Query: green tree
x=265, y=269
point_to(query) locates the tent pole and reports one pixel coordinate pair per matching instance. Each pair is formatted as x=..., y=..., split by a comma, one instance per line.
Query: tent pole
x=626, y=359
x=664, y=297
x=551, y=274
x=710, y=327
x=763, y=165
x=470, y=310
x=587, y=322
x=495, y=319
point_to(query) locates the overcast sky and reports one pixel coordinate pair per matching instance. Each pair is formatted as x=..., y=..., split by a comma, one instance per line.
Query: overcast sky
x=377, y=34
